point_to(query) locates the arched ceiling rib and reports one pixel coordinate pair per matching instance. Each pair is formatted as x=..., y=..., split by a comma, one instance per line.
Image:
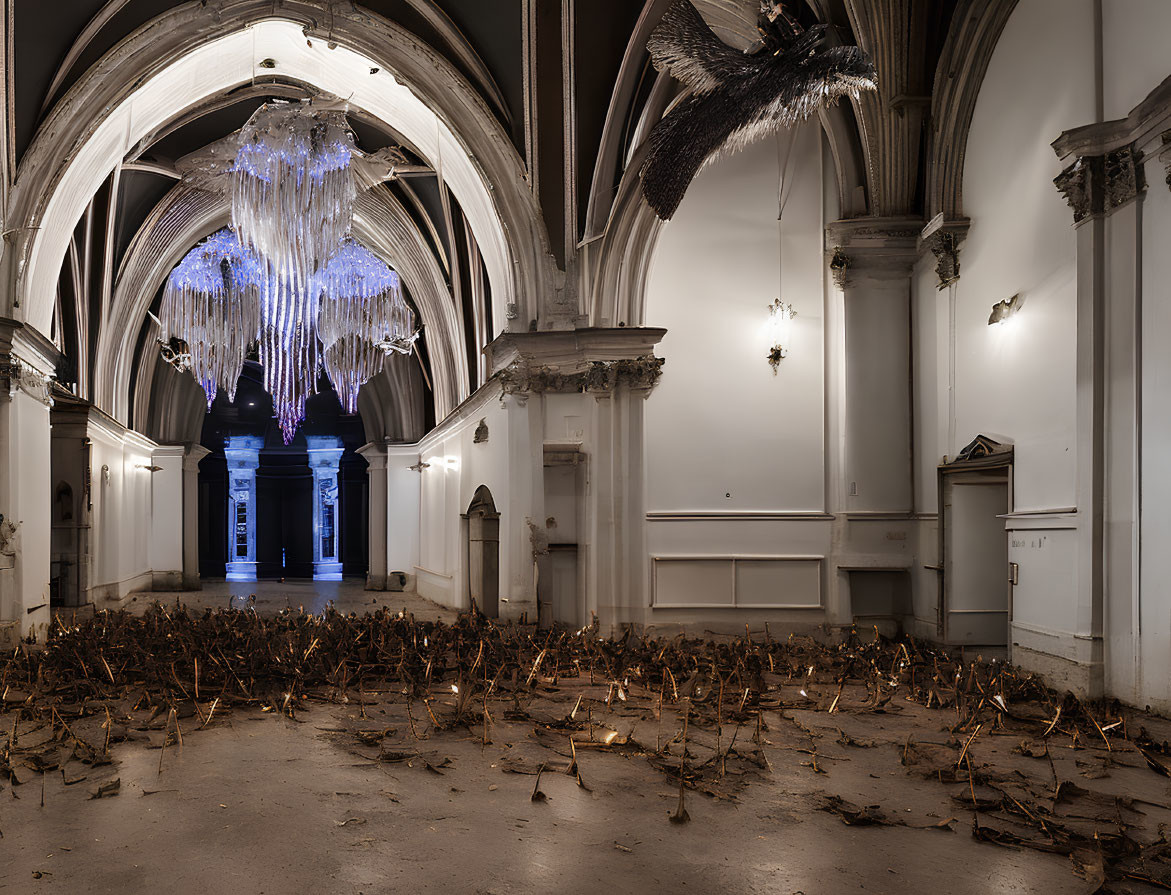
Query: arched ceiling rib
x=73, y=150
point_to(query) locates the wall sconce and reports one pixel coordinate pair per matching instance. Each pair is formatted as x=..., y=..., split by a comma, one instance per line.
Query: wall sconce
x=780, y=329
x=1003, y=310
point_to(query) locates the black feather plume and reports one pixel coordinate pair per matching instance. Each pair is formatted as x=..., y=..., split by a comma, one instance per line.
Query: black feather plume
x=737, y=97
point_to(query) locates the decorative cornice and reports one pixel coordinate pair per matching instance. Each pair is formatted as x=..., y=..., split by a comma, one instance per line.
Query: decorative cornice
x=1098, y=184
x=28, y=361
x=521, y=378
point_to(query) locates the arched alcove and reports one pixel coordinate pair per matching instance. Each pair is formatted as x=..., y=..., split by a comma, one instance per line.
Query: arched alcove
x=193, y=52
x=483, y=546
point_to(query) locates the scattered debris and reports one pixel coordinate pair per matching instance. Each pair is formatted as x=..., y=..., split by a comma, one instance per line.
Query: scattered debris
x=708, y=715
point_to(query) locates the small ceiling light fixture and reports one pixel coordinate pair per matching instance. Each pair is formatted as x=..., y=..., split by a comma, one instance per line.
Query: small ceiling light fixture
x=1004, y=310
x=780, y=328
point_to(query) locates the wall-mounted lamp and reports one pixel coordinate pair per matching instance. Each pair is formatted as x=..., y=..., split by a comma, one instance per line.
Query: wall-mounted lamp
x=780, y=329
x=1003, y=310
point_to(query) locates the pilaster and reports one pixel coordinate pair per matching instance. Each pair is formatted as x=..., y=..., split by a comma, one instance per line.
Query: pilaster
x=27, y=362
x=325, y=453
x=243, y=456
x=375, y=456
x=192, y=455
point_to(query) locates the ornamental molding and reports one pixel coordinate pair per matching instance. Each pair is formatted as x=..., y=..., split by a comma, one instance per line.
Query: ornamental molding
x=28, y=362
x=1098, y=184
x=943, y=238
x=15, y=375
x=523, y=378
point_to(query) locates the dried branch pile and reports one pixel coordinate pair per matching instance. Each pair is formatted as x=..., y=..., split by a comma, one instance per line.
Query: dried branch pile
x=701, y=712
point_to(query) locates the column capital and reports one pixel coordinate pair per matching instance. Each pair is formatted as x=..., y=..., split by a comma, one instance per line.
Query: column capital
x=192, y=455
x=374, y=454
x=872, y=248
x=1095, y=185
x=28, y=361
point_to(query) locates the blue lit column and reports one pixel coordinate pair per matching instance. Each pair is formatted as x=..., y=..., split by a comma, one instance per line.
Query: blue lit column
x=243, y=455
x=324, y=456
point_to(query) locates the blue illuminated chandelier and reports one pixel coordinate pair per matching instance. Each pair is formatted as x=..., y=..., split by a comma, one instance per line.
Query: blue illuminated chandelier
x=287, y=274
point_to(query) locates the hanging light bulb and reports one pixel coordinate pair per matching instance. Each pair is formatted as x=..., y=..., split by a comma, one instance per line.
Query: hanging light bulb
x=210, y=303
x=362, y=317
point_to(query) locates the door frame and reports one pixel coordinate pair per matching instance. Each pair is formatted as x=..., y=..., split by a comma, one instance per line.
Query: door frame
x=1000, y=461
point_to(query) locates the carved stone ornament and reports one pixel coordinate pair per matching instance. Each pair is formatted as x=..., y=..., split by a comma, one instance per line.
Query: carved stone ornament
x=839, y=265
x=481, y=435
x=945, y=246
x=16, y=375
x=1165, y=155
x=1124, y=176
x=1078, y=184
x=520, y=378
x=1100, y=183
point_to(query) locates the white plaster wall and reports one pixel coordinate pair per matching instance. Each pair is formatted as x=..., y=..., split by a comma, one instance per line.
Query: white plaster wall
x=719, y=422
x=457, y=467
x=1016, y=382
x=166, y=524
x=1134, y=52
x=122, y=512
x=1154, y=626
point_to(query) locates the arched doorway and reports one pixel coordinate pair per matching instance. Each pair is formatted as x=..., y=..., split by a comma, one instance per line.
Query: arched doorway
x=483, y=530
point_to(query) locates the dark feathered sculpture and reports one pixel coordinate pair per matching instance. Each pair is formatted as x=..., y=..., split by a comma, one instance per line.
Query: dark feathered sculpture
x=737, y=97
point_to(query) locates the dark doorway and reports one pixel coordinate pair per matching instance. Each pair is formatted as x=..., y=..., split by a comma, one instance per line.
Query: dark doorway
x=284, y=483
x=284, y=516
x=484, y=553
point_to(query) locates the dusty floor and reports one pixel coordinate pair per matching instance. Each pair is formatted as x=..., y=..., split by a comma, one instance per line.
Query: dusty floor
x=382, y=794
x=348, y=595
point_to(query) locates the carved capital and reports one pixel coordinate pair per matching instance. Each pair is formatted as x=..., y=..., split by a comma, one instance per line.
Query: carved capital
x=1098, y=184
x=1165, y=155
x=521, y=378
x=1124, y=177
x=839, y=266
x=18, y=376
x=944, y=245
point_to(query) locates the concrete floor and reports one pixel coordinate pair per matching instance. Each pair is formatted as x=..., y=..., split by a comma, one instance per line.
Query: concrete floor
x=259, y=803
x=349, y=595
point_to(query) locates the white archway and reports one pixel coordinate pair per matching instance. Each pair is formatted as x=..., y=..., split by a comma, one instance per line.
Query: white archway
x=194, y=52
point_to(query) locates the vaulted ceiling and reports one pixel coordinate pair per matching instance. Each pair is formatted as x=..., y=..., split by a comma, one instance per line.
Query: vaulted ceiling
x=567, y=83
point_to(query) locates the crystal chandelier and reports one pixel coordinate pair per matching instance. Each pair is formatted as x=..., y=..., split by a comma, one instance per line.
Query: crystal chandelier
x=210, y=302
x=362, y=317
x=292, y=187
x=291, y=276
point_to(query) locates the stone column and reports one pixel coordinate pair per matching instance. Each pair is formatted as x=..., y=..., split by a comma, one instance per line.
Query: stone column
x=27, y=361
x=243, y=455
x=324, y=455
x=166, y=534
x=375, y=455
x=191, y=457
x=403, y=484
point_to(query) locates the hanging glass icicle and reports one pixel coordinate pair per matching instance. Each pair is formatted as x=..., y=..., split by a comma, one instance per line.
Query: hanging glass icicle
x=292, y=186
x=289, y=350
x=210, y=302
x=362, y=316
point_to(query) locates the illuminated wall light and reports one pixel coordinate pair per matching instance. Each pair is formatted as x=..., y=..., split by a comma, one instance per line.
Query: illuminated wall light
x=1005, y=310
x=780, y=330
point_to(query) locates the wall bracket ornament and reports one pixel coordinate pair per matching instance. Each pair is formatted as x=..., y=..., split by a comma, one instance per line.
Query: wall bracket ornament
x=521, y=378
